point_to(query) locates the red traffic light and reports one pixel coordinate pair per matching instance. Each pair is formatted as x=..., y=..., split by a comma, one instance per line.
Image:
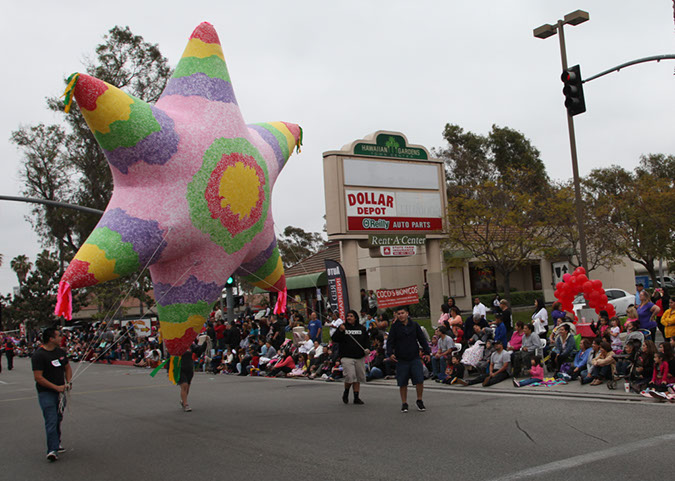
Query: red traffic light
x=573, y=90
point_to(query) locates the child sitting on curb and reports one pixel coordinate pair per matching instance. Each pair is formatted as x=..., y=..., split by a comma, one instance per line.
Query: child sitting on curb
x=536, y=373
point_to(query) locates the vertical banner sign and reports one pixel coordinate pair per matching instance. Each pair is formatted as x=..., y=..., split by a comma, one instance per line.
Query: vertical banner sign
x=338, y=297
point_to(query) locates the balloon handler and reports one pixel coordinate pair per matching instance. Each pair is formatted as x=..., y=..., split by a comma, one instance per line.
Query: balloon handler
x=181, y=369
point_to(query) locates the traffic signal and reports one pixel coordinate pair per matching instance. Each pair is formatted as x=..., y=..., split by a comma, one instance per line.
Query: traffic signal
x=230, y=282
x=573, y=90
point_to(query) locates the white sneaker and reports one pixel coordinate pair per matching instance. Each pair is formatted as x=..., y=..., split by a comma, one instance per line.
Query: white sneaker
x=52, y=456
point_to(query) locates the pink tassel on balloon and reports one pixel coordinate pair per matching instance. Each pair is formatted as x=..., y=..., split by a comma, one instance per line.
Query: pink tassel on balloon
x=64, y=301
x=280, y=306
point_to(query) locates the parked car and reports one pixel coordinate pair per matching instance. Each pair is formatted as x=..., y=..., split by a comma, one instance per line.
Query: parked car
x=619, y=298
x=668, y=281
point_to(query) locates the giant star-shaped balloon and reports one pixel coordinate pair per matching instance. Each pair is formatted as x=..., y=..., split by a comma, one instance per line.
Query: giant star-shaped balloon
x=192, y=191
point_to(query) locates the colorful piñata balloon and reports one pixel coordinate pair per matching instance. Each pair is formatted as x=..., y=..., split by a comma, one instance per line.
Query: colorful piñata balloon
x=192, y=191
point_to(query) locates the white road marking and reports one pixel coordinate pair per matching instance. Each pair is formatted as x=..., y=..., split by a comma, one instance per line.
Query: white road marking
x=576, y=461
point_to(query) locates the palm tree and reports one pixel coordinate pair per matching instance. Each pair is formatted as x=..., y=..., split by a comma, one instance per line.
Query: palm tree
x=22, y=266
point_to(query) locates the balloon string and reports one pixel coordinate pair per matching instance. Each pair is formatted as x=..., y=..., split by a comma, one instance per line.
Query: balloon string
x=105, y=318
x=147, y=313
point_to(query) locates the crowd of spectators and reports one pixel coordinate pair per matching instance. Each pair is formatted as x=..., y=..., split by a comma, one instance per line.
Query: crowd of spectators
x=464, y=351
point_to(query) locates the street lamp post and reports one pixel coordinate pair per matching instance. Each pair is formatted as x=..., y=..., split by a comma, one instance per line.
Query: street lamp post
x=545, y=31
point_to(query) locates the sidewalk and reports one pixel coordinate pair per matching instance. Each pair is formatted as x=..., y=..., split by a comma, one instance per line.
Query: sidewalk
x=573, y=389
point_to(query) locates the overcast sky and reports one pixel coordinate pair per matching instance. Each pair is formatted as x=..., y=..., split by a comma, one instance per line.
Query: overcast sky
x=345, y=69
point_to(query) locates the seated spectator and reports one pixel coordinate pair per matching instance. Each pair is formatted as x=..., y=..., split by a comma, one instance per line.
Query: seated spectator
x=455, y=317
x=602, y=364
x=661, y=377
x=500, y=361
x=644, y=369
x=557, y=314
x=667, y=349
x=301, y=366
x=445, y=315
x=336, y=371
x=614, y=332
x=563, y=349
x=473, y=320
x=536, y=373
x=581, y=359
x=633, y=334
x=482, y=334
x=454, y=371
x=283, y=366
x=516, y=341
x=445, y=346
x=473, y=355
x=458, y=334
x=530, y=343
x=375, y=365
x=307, y=345
x=499, y=329
x=626, y=362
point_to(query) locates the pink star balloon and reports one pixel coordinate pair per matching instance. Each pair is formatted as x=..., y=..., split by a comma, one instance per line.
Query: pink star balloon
x=192, y=191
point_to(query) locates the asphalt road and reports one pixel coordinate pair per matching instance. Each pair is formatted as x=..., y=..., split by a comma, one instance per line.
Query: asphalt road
x=123, y=424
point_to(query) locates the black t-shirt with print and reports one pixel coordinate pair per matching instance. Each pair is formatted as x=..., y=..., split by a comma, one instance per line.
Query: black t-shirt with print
x=52, y=364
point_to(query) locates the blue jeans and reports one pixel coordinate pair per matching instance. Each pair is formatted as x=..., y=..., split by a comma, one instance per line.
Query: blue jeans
x=49, y=402
x=438, y=366
x=528, y=381
x=375, y=373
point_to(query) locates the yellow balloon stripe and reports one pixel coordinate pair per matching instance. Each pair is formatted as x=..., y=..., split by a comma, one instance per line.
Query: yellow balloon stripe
x=272, y=279
x=200, y=49
x=99, y=265
x=111, y=106
x=281, y=127
x=173, y=330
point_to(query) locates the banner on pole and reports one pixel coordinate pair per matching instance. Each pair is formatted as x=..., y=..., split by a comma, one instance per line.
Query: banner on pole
x=142, y=327
x=338, y=297
x=397, y=297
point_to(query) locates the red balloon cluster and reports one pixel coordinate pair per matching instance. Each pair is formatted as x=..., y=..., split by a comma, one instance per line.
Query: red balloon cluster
x=592, y=290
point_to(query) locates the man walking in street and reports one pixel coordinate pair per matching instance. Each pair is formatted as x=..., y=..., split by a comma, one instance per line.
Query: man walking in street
x=9, y=352
x=403, y=347
x=353, y=340
x=53, y=376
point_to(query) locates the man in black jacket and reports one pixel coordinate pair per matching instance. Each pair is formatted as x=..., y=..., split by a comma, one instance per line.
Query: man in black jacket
x=403, y=347
x=353, y=340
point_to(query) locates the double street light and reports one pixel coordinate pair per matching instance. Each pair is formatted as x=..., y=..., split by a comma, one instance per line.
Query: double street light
x=545, y=31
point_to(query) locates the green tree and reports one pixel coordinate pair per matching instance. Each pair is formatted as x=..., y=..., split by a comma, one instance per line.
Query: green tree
x=504, y=156
x=21, y=266
x=637, y=208
x=37, y=295
x=295, y=245
x=497, y=192
x=601, y=249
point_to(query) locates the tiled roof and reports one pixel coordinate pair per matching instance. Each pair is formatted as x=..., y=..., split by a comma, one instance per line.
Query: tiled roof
x=314, y=263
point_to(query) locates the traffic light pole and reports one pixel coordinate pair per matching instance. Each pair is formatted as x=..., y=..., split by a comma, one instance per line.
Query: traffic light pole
x=575, y=166
x=230, y=303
